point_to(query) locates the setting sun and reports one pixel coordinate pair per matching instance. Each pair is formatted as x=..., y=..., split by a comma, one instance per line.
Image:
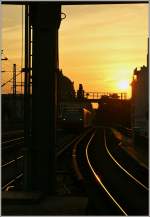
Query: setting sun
x=123, y=85
x=112, y=43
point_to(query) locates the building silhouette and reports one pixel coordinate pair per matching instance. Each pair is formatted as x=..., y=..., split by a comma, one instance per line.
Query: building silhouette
x=65, y=88
x=140, y=98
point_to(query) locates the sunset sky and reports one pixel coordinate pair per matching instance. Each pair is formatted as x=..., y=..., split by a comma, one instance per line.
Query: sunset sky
x=99, y=45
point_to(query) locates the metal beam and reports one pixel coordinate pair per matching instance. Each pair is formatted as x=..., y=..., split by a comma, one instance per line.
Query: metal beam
x=101, y=2
x=14, y=79
x=27, y=108
x=75, y=2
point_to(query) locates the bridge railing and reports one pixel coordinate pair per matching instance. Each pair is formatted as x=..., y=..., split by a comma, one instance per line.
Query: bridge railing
x=98, y=95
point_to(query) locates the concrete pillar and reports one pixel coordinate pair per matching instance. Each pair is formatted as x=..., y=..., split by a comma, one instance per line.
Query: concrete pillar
x=45, y=19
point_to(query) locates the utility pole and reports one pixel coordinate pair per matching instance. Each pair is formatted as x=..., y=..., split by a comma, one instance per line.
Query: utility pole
x=14, y=79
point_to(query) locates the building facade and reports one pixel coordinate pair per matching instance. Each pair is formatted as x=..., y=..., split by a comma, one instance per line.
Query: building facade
x=140, y=99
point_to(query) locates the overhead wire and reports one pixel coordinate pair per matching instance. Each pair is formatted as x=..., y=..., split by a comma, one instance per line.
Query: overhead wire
x=22, y=51
x=22, y=47
x=10, y=79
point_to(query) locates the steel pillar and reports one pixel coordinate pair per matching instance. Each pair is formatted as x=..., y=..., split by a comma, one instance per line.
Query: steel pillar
x=27, y=106
x=45, y=20
x=14, y=79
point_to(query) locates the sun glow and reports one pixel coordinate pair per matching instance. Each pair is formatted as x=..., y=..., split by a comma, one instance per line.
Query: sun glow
x=123, y=85
x=113, y=42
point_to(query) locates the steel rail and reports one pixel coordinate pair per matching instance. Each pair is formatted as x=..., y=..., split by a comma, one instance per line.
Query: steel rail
x=13, y=140
x=6, y=133
x=60, y=152
x=98, y=178
x=118, y=164
x=12, y=181
x=74, y=156
x=12, y=161
x=9, y=164
x=7, y=145
x=66, y=146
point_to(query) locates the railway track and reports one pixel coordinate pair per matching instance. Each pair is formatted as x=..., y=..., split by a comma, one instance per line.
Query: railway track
x=12, y=170
x=13, y=134
x=134, y=167
x=12, y=158
x=12, y=143
x=67, y=181
x=126, y=131
x=112, y=189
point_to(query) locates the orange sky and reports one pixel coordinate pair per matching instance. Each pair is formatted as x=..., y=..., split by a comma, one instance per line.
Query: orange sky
x=99, y=45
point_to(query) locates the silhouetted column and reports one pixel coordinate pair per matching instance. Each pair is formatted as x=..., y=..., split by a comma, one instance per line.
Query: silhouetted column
x=14, y=79
x=45, y=18
x=27, y=108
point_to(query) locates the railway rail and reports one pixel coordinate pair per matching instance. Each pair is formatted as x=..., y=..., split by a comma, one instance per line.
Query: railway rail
x=116, y=149
x=12, y=143
x=113, y=189
x=12, y=170
x=12, y=135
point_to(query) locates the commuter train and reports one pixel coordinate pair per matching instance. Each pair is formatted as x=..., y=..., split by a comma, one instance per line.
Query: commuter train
x=72, y=117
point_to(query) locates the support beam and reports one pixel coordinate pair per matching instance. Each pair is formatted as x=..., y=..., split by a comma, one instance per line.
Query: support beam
x=78, y=2
x=27, y=107
x=14, y=79
x=45, y=20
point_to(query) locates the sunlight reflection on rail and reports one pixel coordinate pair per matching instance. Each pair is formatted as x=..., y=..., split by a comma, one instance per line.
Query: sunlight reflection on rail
x=136, y=180
x=98, y=179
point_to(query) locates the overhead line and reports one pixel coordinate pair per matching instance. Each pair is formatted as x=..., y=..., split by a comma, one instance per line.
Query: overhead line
x=9, y=80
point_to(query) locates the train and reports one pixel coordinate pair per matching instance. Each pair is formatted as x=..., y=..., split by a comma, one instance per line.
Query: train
x=75, y=117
